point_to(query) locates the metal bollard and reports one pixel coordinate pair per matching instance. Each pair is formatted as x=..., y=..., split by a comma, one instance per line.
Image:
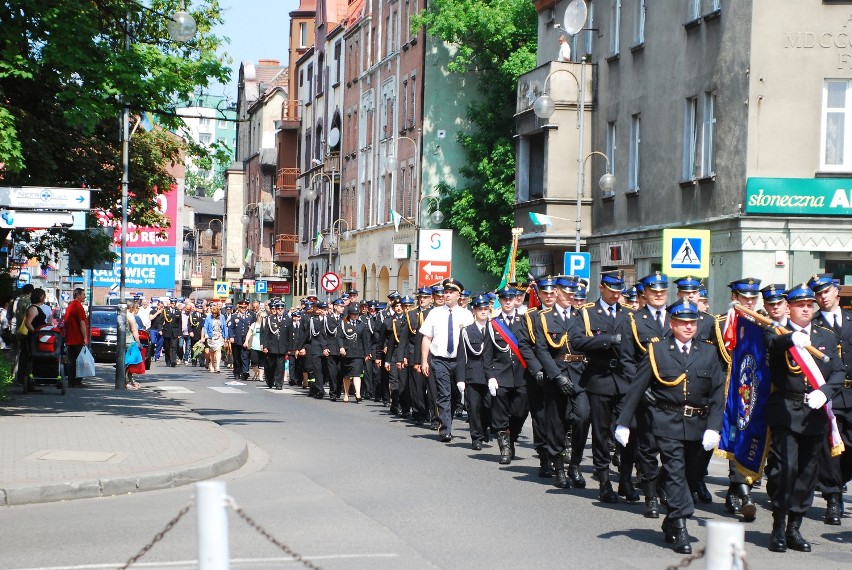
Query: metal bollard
x=725, y=548
x=213, y=551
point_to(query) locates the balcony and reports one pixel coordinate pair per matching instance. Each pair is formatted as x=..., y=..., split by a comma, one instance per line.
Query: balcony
x=290, y=114
x=286, y=248
x=285, y=183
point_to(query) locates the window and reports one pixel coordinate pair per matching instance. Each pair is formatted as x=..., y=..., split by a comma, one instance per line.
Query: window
x=715, y=5
x=223, y=124
x=404, y=106
x=836, y=151
x=413, y=101
x=338, y=47
x=707, y=158
x=611, y=147
x=694, y=7
x=205, y=138
x=633, y=159
x=204, y=123
x=639, y=23
x=690, y=138
x=310, y=82
x=303, y=34
x=615, y=27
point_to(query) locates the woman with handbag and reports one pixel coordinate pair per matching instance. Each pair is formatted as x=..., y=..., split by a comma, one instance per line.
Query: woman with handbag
x=215, y=332
x=38, y=315
x=132, y=353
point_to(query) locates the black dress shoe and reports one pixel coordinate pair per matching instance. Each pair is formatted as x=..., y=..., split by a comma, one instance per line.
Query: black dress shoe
x=832, y=510
x=445, y=438
x=748, y=508
x=733, y=503
x=576, y=477
x=476, y=446
x=702, y=493
x=606, y=494
x=435, y=425
x=628, y=491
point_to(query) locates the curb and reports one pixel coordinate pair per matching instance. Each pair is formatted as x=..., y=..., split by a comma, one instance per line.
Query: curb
x=234, y=457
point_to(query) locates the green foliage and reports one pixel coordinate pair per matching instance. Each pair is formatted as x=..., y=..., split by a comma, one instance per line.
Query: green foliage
x=495, y=40
x=6, y=379
x=65, y=76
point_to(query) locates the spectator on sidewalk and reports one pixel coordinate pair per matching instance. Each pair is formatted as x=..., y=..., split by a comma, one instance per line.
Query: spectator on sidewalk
x=132, y=336
x=19, y=310
x=215, y=332
x=145, y=313
x=76, y=334
x=157, y=320
x=38, y=315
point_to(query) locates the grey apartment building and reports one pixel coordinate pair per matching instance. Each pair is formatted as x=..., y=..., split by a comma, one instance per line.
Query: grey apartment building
x=727, y=116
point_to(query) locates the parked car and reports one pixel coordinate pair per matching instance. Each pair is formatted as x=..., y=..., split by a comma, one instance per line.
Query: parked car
x=104, y=333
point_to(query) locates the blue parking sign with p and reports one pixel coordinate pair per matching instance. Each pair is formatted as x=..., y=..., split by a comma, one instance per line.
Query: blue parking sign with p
x=260, y=286
x=578, y=263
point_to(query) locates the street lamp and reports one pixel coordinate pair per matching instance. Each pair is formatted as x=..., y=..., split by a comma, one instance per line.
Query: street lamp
x=437, y=215
x=258, y=210
x=181, y=27
x=334, y=236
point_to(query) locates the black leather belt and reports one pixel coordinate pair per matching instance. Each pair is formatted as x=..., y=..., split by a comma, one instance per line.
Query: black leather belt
x=570, y=357
x=687, y=411
x=795, y=396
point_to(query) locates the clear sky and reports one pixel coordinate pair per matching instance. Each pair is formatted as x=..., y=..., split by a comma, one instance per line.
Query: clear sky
x=257, y=29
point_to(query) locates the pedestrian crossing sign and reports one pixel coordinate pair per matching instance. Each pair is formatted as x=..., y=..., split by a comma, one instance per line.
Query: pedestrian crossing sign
x=220, y=289
x=686, y=252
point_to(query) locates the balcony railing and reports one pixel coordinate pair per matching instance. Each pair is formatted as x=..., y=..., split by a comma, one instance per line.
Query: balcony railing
x=285, y=182
x=286, y=244
x=290, y=110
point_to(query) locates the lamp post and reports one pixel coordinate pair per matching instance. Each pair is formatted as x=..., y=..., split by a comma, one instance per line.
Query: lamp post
x=259, y=211
x=334, y=236
x=209, y=233
x=181, y=27
x=436, y=217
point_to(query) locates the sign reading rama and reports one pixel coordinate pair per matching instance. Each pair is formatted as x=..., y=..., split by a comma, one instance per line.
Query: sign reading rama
x=799, y=196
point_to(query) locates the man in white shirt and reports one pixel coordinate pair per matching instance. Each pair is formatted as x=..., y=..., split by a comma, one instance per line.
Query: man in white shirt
x=564, y=49
x=145, y=313
x=438, y=349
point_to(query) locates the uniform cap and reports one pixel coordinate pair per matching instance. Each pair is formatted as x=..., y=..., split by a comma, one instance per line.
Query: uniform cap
x=352, y=291
x=338, y=301
x=747, y=287
x=582, y=290
x=242, y=302
x=702, y=292
x=322, y=305
x=480, y=300
x=408, y=300
x=507, y=292
x=655, y=282
x=353, y=310
x=821, y=282
x=630, y=294
x=276, y=304
x=465, y=294
x=381, y=305
x=452, y=285
x=800, y=293
x=568, y=283
x=547, y=284
x=773, y=293
x=173, y=300
x=613, y=280
x=394, y=295
x=688, y=283
x=437, y=290
x=344, y=296
x=424, y=292
x=683, y=310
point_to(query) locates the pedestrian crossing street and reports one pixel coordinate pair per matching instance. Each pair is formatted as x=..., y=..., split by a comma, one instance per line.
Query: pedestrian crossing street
x=223, y=389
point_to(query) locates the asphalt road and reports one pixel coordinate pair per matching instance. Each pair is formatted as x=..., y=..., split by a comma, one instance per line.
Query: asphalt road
x=348, y=486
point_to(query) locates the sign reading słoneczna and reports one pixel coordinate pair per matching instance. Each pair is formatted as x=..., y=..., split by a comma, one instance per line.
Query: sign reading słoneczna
x=799, y=196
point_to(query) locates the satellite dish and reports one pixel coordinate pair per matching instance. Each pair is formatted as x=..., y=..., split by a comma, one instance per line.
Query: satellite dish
x=575, y=17
x=334, y=137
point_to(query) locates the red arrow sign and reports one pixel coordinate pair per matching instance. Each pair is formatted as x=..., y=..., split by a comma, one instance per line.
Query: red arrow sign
x=430, y=272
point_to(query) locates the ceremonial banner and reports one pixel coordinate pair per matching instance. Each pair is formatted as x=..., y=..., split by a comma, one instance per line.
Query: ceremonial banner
x=745, y=437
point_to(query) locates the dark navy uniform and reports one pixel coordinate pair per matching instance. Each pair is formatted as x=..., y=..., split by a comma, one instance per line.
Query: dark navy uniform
x=171, y=332
x=330, y=357
x=353, y=345
x=471, y=371
x=396, y=333
x=275, y=344
x=238, y=327
x=313, y=358
x=416, y=381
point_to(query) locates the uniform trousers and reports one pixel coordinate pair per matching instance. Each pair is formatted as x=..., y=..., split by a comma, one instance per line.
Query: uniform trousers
x=242, y=359
x=604, y=410
x=444, y=371
x=156, y=342
x=647, y=448
x=535, y=399
x=417, y=393
x=399, y=389
x=331, y=372
x=478, y=401
x=791, y=468
x=509, y=410
x=273, y=369
x=834, y=472
x=555, y=407
x=681, y=460
x=170, y=348
x=431, y=400
x=371, y=372
x=579, y=416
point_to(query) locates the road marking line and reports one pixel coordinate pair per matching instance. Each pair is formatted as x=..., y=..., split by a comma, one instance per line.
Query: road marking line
x=194, y=563
x=174, y=389
x=226, y=390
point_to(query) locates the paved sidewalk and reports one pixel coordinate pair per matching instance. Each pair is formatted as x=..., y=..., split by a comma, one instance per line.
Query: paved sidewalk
x=98, y=441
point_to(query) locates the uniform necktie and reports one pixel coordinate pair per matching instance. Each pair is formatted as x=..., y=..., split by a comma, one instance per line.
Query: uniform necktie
x=565, y=314
x=509, y=320
x=685, y=350
x=450, y=344
x=660, y=318
x=612, y=312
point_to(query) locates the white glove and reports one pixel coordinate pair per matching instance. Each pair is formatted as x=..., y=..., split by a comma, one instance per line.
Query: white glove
x=816, y=399
x=460, y=386
x=622, y=435
x=492, y=386
x=710, y=440
x=800, y=339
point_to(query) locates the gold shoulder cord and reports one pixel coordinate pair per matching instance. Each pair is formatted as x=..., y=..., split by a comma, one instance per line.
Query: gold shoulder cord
x=393, y=326
x=636, y=332
x=530, y=327
x=669, y=383
x=720, y=342
x=419, y=319
x=562, y=342
x=166, y=316
x=585, y=311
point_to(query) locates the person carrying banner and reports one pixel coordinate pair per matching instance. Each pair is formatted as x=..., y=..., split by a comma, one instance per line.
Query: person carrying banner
x=798, y=417
x=834, y=472
x=505, y=370
x=687, y=384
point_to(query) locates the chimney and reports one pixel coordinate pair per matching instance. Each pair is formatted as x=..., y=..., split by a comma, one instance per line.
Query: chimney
x=265, y=62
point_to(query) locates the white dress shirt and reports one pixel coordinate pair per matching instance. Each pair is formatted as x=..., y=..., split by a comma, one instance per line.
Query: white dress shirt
x=435, y=327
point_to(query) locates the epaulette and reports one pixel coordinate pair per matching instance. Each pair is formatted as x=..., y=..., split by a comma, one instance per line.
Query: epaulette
x=628, y=307
x=635, y=331
x=587, y=305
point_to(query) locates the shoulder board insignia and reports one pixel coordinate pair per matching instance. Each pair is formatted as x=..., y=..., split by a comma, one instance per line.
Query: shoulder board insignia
x=547, y=310
x=587, y=306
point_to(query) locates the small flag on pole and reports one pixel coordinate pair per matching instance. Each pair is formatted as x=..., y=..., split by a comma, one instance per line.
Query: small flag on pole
x=145, y=122
x=318, y=245
x=541, y=219
x=247, y=258
x=396, y=217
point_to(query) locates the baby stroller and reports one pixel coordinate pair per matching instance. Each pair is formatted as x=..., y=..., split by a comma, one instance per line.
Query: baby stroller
x=47, y=366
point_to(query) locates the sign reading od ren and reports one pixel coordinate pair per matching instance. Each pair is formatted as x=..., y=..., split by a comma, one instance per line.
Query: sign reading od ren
x=799, y=196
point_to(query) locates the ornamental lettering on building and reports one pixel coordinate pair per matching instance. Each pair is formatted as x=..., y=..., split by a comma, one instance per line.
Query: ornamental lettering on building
x=839, y=40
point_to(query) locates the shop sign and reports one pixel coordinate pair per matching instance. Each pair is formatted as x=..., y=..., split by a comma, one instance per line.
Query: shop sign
x=799, y=196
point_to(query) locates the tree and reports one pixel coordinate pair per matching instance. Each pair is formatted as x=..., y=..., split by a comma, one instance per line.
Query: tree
x=495, y=40
x=65, y=75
